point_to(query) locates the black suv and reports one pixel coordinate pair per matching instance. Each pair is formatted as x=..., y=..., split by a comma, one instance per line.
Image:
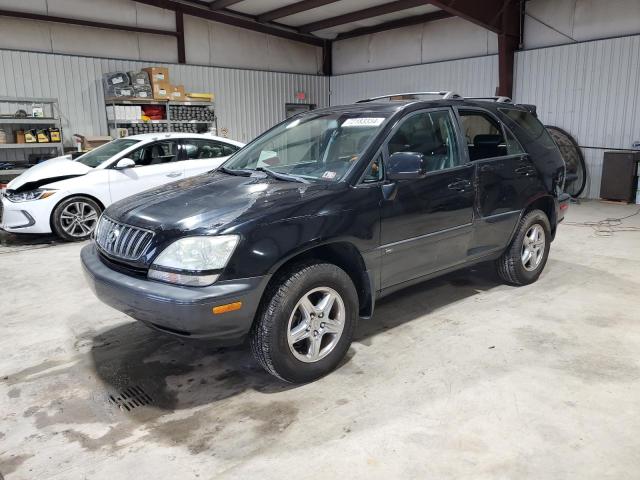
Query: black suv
x=294, y=238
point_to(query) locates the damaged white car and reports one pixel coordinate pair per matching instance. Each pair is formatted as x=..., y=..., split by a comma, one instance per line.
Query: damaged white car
x=67, y=196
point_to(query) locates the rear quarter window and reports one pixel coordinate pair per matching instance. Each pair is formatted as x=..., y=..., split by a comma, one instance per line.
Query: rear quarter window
x=530, y=126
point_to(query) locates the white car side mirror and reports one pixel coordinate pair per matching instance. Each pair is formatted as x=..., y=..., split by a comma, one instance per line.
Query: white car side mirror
x=125, y=163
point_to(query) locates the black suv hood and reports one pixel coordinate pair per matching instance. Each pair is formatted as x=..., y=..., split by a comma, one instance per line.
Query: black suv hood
x=214, y=202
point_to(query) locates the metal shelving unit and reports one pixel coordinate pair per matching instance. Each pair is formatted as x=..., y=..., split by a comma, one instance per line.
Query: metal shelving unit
x=13, y=146
x=121, y=123
x=9, y=105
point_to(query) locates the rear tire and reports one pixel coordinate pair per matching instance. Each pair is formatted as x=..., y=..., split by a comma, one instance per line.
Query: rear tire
x=306, y=323
x=75, y=218
x=523, y=262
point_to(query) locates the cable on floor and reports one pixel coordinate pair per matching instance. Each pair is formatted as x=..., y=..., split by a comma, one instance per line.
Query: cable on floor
x=608, y=226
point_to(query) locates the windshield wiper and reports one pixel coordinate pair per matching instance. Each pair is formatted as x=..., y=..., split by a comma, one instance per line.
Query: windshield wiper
x=239, y=173
x=281, y=176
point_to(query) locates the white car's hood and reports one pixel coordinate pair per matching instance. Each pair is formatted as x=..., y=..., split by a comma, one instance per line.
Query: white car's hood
x=49, y=171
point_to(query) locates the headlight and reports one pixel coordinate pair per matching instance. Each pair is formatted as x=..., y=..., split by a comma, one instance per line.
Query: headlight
x=194, y=261
x=36, y=194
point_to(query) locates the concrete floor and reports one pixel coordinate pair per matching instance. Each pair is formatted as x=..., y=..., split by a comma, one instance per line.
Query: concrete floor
x=460, y=377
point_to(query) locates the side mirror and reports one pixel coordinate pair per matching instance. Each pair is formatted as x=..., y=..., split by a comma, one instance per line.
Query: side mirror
x=125, y=163
x=406, y=166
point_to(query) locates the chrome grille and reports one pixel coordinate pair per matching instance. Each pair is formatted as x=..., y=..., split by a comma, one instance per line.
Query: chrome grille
x=121, y=240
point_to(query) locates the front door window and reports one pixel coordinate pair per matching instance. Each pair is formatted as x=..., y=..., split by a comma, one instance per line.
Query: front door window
x=433, y=135
x=155, y=154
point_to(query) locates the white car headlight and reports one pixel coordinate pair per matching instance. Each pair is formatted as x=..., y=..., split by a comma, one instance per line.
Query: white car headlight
x=36, y=194
x=194, y=261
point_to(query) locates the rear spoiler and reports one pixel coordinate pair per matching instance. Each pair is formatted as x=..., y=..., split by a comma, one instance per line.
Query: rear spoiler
x=531, y=108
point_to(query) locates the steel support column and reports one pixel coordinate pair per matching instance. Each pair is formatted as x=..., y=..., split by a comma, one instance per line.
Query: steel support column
x=182, y=56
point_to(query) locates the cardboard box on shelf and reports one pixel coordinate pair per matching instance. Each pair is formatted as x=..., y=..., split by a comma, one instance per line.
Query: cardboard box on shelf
x=119, y=132
x=89, y=142
x=161, y=90
x=134, y=112
x=177, y=93
x=118, y=113
x=157, y=74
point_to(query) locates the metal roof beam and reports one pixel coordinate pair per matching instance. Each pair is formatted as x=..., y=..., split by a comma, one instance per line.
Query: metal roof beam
x=85, y=23
x=402, y=22
x=370, y=12
x=197, y=10
x=292, y=9
x=489, y=14
x=220, y=4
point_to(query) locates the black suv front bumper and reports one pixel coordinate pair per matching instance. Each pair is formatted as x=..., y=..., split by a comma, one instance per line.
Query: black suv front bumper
x=183, y=311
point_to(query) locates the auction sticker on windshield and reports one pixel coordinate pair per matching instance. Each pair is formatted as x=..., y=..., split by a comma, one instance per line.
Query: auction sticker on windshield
x=363, y=122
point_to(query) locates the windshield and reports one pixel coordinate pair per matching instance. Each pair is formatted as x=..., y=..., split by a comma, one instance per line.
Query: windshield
x=105, y=152
x=321, y=146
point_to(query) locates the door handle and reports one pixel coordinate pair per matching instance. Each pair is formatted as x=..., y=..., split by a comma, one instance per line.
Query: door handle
x=174, y=174
x=487, y=168
x=459, y=186
x=525, y=171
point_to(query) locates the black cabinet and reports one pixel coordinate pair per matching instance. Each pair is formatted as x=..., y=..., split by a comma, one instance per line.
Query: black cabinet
x=619, y=176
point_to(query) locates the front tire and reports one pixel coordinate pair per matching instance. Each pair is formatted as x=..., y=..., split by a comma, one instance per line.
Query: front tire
x=527, y=254
x=306, y=323
x=75, y=218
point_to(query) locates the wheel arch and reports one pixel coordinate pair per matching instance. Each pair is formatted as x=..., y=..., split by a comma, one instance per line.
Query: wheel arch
x=545, y=203
x=71, y=195
x=343, y=254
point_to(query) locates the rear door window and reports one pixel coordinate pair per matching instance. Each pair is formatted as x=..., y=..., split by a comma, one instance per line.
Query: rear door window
x=483, y=135
x=198, y=149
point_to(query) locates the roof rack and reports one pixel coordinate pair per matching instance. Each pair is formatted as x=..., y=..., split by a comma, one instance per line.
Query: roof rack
x=494, y=99
x=444, y=95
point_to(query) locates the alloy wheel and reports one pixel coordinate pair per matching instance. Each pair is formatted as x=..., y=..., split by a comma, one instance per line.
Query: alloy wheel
x=533, y=247
x=316, y=324
x=79, y=219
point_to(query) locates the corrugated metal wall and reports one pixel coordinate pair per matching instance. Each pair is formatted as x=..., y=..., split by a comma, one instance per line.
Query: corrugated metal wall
x=247, y=102
x=591, y=89
x=469, y=77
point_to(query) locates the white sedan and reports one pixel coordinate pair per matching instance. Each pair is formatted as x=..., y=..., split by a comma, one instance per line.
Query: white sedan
x=67, y=196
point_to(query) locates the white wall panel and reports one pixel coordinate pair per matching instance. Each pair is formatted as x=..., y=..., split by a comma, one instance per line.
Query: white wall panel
x=469, y=77
x=590, y=89
x=158, y=48
x=554, y=22
x=247, y=102
x=447, y=39
x=25, y=35
x=32, y=6
x=212, y=43
x=206, y=42
x=99, y=42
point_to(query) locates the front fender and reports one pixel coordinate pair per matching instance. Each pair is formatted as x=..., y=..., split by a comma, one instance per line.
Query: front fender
x=265, y=248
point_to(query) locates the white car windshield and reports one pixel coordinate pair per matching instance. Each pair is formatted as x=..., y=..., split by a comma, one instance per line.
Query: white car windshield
x=105, y=152
x=322, y=146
